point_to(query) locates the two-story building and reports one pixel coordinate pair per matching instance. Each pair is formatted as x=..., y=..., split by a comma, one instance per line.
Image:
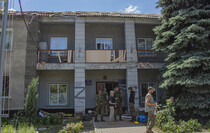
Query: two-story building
x=75, y=54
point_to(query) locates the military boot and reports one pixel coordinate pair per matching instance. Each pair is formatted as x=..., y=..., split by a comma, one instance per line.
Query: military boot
x=120, y=118
x=96, y=118
x=102, y=119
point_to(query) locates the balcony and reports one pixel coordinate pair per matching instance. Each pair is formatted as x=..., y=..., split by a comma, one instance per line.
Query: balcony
x=105, y=56
x=56, y=56
x=150, y=56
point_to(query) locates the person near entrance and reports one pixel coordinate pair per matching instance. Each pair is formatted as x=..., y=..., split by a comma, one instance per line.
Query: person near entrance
x=99, y=106
x=111, y=107
x=131, y=103
x=106, y=105
x=118, y=106
x=150, y=107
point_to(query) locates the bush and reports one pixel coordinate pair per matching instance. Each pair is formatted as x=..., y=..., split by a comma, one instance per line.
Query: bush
x=23, y=128
x=72, y=128
x=31, y=100
x=166, y=122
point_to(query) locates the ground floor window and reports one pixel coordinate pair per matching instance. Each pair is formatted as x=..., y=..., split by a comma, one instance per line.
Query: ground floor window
x=5, y=92
x=58, y=94
x=143, y=90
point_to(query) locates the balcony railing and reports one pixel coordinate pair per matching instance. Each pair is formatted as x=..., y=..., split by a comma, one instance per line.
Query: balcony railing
x=150, y=56
x=56, y=56
x=104, y=56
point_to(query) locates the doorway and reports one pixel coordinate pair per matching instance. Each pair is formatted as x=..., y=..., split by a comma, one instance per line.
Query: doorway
x=108, y=85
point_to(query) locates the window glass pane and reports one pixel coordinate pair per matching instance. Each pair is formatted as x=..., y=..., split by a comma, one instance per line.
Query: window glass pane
x=8, y=39
x=5, y=91
x=62, y=94
x=104, y=43
x=54, y=43
x=63, y=43
x=53, y=94
x=149, y=43
x=141, y=44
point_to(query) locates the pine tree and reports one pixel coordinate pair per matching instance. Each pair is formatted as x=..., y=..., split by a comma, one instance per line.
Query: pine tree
x=184, y=35
x=31, y=100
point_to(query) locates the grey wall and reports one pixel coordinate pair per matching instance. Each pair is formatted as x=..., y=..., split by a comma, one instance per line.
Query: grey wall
x=97, y=76
x=104, y=30
x=58, y=30
x=144, y=30
x=150, y=75
x=53, y=77
x=16, y=70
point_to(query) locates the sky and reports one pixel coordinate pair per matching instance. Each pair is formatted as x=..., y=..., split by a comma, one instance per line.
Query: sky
x=129, y=6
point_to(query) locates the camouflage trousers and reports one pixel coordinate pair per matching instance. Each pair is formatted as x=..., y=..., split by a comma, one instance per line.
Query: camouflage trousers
x=132, y=109
x=100, y=110
x=118, y=110
x=151, y=120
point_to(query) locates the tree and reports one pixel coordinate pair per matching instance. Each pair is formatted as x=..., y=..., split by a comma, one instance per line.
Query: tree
x=31, y=100
x=184, y=35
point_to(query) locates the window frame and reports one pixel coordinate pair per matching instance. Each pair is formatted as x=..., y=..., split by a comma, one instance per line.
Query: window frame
x=103, y=42
x=146, y=53
x=58, y=84
x=142, y=98
x=59, y=43
x=12, y=31
x=8, y=87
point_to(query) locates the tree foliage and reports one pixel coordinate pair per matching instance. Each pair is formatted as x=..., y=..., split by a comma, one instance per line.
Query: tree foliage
x=184, y=35
x=31, y=100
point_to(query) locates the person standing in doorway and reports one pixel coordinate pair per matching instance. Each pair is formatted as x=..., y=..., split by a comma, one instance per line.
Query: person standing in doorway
x=106, y=105
x=150, y=106
x=99, y=106
x=131, y=103
x=111, y=107
x=118, y=106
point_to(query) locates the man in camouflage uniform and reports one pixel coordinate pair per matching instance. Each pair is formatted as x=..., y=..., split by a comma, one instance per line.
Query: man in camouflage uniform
x=99, y=106
x=118, y=106
x=106, y=105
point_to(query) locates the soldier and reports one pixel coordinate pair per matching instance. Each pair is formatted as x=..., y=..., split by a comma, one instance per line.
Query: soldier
x=118, y=106
x=99, y=106
x=106, y=105
x=131, y=103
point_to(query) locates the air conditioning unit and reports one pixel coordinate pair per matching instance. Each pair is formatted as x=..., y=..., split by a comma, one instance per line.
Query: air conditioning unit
x=43, y=45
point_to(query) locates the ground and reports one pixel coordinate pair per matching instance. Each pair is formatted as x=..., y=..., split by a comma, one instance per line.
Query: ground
x=120, y=127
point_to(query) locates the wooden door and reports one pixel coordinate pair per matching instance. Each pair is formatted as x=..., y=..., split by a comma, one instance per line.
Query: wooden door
x=100, y=86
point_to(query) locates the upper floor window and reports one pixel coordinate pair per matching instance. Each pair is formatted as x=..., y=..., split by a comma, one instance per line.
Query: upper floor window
x=9, y=37
x=58, y=94
x=58, y=43
x=104, y=43
x=144, y=45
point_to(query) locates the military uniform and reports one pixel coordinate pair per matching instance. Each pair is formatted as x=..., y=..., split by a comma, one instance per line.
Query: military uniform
x=99, y=106
x=106, y=105
x=118, y=107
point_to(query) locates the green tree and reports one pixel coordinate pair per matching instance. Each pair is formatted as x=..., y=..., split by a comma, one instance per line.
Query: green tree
x=31, y=100
x=184, y=35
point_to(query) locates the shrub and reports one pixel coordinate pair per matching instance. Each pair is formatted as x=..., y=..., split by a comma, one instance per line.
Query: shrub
x=72, y=128
x=166, y=122
x=31, y=100
x=23, y=128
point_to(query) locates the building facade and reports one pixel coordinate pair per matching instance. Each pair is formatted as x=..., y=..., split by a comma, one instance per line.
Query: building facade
x=75, y=54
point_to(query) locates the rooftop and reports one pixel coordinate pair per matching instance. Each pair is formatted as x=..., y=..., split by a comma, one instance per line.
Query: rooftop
x=88, y=14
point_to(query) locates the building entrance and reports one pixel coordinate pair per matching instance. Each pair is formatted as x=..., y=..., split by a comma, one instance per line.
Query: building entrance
x=108, y=85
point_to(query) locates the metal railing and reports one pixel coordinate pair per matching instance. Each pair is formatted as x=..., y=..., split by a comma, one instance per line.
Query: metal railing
x=103, y=56
x=150, y=56
x=55, y=56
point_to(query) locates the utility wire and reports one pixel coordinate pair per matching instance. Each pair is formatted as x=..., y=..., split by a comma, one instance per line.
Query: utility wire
x=22, y=14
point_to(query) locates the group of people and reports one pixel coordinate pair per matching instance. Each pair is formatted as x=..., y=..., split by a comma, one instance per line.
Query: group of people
x=112, y=105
